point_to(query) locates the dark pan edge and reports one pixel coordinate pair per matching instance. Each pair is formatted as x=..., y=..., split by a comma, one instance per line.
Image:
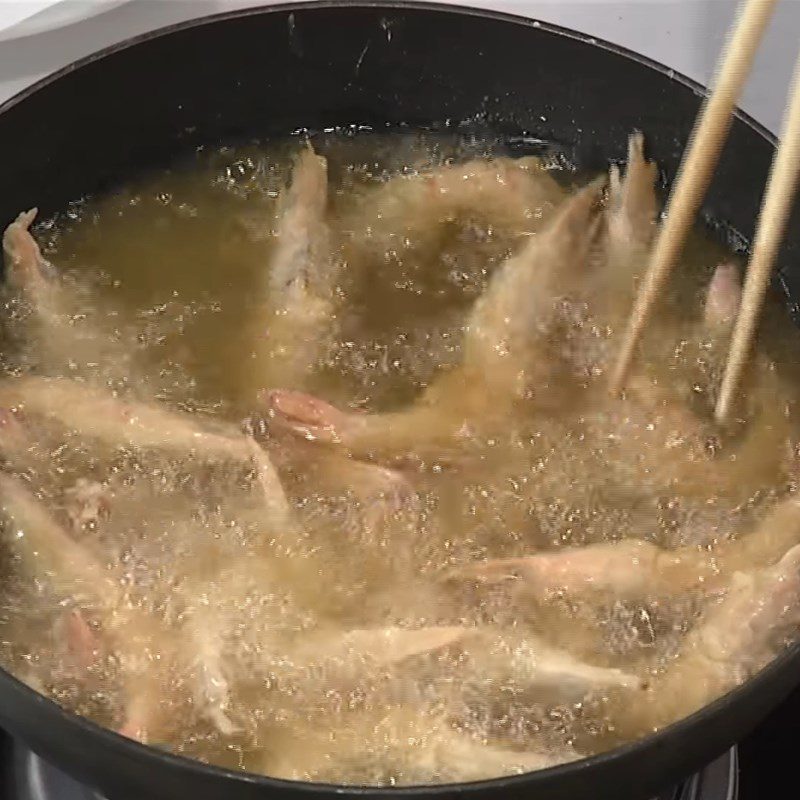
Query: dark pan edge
x=528, y=781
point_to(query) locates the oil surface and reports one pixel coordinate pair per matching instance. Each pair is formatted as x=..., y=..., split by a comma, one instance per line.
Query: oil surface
x=286, y=648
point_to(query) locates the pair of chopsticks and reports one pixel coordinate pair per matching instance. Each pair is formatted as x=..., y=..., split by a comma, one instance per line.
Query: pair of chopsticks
x=694, y=176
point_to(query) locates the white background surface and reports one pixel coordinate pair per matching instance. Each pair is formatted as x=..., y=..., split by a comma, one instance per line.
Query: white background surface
x=685, y=34
x=25, y=17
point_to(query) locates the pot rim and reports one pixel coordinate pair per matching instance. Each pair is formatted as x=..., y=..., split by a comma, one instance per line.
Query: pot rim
x=119, y=743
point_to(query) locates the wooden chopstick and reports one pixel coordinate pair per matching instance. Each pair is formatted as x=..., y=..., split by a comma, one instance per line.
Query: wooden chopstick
x=775, y=208
x=695, y=172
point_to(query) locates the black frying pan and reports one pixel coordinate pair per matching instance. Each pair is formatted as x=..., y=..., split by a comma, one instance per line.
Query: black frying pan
x=270, y=71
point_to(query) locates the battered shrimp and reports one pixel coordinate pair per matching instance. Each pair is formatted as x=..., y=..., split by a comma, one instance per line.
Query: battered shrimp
x=376, y=493
x=503, y=355
x=630, y=220
x=26, y=269
x=516, y=662
x=99, y=415
x=61, y=338
x=632, y=568
x=52, y=556
x=293, y=322
x=513, y=194
x=734, y=639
